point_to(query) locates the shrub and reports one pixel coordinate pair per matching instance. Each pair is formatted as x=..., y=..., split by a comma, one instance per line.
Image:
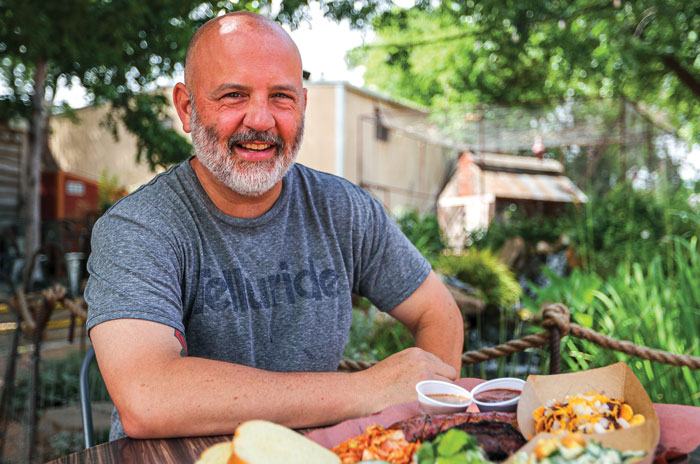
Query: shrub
x=375, y=335
x=516, y=224
x=494, y=282
x=423, y=231
x=59, y=384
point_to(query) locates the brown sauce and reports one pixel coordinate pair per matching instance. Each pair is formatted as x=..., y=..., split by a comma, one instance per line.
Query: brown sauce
x=496, y=395
x=449, y=399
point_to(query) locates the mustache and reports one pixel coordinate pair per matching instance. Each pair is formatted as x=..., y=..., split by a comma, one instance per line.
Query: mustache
x=250, y=135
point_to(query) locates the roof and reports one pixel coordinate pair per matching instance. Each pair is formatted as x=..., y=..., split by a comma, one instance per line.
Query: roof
x=401, y=102
x=529, y=186
x=494, y=161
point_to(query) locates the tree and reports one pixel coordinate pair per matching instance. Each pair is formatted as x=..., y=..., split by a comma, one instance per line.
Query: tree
x=117, y=50
x=446, y=53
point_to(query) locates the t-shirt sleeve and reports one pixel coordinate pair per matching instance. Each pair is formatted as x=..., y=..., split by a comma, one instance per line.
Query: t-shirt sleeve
x=134, y=271
x=391, y=268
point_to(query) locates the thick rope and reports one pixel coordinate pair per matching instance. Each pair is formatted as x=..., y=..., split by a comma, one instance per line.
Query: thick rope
x=556, y=318
x=559, y=316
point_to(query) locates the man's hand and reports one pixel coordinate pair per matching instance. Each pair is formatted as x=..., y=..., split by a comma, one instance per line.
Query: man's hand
x=394, y=379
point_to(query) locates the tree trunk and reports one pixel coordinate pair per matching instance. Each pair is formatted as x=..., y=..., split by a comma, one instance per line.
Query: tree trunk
x=32, y=219
x=9, y=382
x=33, y=395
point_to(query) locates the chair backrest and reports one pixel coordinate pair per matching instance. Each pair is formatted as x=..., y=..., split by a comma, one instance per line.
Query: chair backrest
x=85, y=405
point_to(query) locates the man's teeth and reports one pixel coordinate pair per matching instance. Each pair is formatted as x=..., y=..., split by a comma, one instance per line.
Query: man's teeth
x=256, y=146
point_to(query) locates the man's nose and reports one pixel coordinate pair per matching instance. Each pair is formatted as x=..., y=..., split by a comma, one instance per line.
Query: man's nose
x=258, y=116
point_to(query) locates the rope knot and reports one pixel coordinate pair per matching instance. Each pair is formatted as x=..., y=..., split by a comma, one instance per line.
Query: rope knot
x=556, y=315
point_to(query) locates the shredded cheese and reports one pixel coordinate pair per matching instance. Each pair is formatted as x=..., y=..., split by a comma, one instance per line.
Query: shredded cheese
x=589, y=413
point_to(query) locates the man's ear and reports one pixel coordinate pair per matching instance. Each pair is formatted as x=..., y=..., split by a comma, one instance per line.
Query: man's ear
x=183, y=105
x=306, y=97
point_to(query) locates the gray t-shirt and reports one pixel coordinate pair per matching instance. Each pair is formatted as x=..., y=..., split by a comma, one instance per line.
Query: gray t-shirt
x=273, y=292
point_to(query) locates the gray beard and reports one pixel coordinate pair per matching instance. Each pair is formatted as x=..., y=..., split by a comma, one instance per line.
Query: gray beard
x=250, y=179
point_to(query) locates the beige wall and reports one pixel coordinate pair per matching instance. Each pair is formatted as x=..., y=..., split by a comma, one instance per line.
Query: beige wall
x=405, y=170
x=360, y=126
x=318, y=148
x=390, y=169
x=87, y=148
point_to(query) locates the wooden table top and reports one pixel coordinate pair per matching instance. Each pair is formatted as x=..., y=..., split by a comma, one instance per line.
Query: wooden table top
x=128, y=450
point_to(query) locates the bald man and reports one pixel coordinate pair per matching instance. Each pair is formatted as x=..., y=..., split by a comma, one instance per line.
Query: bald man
x=221, y=291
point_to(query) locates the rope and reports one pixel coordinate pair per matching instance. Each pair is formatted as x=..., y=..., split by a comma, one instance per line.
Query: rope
x=557, y=320
x=347, y=365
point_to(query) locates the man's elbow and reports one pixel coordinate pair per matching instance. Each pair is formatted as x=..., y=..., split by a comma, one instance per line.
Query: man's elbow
x=141, y=421
x=137, y=425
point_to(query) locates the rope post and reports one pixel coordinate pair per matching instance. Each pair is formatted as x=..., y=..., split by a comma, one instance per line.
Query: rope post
x=555, y=349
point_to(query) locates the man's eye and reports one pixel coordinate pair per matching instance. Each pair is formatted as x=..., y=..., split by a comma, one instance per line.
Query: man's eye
x=282, y=95
x=233, y=95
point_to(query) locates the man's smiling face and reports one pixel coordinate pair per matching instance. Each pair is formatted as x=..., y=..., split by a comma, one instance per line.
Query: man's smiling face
x=247, y=114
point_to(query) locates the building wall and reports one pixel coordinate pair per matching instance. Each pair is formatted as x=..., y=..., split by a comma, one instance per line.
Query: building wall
x=66, y=196
x=318, y=148
x=87, y=148
x=341, y=138
x=406, y=169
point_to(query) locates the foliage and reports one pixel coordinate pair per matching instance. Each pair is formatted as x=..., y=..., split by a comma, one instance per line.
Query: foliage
x=375, y=335
x=59, y=384
x=630, y=225
x=446, y=53
x=654, y=305
x=516, y=224
x=109, y=190
x=423, y=231
x=494, y=282
x=454, y=446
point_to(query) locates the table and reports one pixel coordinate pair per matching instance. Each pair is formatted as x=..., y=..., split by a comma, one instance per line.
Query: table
x=679, y=430
x=128, y=450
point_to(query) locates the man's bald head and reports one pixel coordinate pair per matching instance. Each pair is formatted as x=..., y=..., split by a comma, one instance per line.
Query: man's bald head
x=240, y=22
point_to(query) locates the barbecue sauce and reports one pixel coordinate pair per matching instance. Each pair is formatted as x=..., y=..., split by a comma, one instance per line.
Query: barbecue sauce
x=449, y=399
x=496, y=395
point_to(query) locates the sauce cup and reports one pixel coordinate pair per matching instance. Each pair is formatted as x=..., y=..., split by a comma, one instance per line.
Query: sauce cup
x=506, y=405
x=438, y=397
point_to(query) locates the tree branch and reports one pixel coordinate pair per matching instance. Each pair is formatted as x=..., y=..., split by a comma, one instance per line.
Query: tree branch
x=683, y=75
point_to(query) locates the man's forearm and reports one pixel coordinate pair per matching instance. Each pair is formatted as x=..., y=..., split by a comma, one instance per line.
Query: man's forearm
x=435, y=320
x=443, y=336
x=214, y=397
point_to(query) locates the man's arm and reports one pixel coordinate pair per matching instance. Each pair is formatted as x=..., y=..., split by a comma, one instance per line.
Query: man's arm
x=432, y=315
x=160, y=393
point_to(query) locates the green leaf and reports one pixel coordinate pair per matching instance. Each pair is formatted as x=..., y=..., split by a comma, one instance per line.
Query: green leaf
x=425, y=454
x=452, y=442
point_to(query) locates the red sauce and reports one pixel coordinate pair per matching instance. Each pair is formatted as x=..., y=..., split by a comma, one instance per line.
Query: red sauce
x=496, y=395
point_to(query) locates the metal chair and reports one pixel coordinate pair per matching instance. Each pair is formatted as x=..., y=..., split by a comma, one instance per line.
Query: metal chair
x=85, y=405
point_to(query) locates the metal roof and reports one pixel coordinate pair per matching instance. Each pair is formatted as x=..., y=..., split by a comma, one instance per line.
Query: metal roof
x=531, y=186
x=517, y=162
